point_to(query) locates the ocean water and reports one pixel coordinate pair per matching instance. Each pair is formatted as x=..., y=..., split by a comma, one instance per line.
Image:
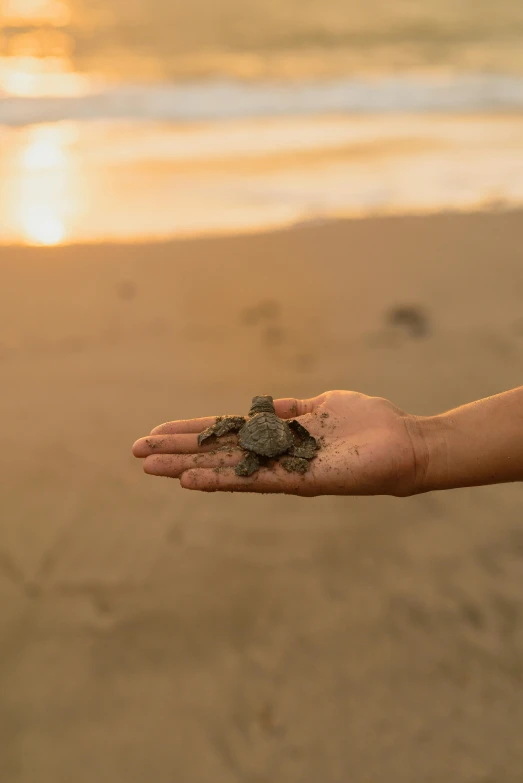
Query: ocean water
x=138, y=120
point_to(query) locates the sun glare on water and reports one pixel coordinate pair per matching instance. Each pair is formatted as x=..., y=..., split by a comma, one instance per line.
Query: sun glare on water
x=42, y=229
x=44, y=201
x=20, y=12
x=38, y=172
x=36, y=58
x=33, y=77
x=44, y=152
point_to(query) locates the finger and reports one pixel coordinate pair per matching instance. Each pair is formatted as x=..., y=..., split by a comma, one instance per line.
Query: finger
x=289, y=408
x=180, y=444
x=286, y=408
x=173, y=465
x=184, y=426
x=274, y=480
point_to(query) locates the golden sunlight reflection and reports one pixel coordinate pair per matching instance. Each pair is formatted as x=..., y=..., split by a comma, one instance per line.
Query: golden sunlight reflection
x=44, y=152
x=119, y=181
x=36, y=12
x=45, y=178
x=36, y=52
x=41, y=77
x=43, y=229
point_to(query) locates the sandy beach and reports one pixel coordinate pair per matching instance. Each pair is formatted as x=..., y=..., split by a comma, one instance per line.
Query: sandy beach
x=152, y=634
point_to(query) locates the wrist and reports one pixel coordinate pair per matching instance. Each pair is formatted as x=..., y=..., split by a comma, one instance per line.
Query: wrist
x=430, y=441
x=477, y=444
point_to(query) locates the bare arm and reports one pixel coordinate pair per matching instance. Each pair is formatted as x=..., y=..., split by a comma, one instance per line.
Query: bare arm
x=476, y=444
x=369, y=447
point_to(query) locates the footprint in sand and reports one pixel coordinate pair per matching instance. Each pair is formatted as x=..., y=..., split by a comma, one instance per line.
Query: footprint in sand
x=411, y=319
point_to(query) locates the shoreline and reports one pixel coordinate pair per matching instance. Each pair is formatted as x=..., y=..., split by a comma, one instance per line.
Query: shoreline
x=260, y=232
x=91, y=182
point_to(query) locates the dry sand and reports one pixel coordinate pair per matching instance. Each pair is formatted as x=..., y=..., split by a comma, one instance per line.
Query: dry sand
x=151, y=634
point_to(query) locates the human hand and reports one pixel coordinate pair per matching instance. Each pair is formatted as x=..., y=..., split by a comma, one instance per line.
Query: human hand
x=368, y=447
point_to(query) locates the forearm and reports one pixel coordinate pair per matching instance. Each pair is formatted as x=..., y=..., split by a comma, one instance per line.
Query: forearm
x=477, y=444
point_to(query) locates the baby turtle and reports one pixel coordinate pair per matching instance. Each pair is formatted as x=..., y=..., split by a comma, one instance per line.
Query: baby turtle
x=265, y=436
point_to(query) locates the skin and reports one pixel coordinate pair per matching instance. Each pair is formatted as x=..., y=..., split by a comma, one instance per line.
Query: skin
x=369, y=447
x=477, y=444
x=366, y=448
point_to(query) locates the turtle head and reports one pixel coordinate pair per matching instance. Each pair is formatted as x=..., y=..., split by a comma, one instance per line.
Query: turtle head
x=262, y=404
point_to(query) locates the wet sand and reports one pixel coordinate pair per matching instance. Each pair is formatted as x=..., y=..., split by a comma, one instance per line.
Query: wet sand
x=147, y=633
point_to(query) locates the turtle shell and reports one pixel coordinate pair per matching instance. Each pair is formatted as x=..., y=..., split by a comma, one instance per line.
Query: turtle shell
x=266, y=434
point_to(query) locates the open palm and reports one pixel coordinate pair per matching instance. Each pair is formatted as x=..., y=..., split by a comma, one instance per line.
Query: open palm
x=368, y=447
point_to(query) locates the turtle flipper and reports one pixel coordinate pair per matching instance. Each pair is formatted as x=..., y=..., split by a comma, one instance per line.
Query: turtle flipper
x=305, y=445
x=222, y=426
x=305, y=451
x=248, y=466
x=295, y=464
